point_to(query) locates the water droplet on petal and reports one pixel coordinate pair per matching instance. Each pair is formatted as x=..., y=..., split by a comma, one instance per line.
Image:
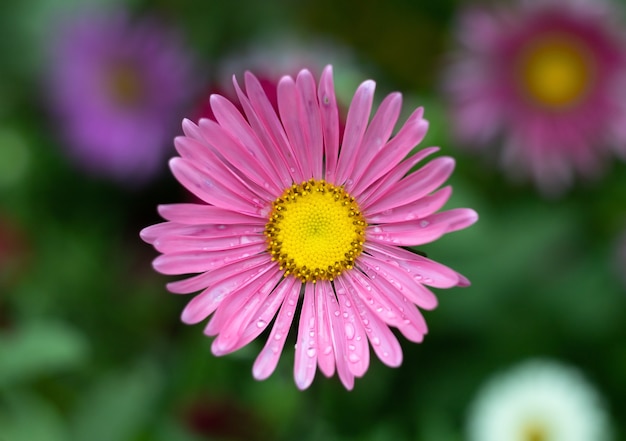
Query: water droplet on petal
x=349, y=331
x=353, y=358
x=376, y=341
x=424, y=223
x=328, y=350
x=261, y=323
x=310, y=352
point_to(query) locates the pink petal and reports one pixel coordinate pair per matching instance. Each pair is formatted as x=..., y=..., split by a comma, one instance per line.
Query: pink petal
x=330, y=122
x=216, y=274
x=456, y=219
x=213, y=191
x=265, y=313
x=315, y=138
x=422, y=269
x=205, y=303
x=236, y=312
x=382, y=185
x=176, y=244
x=197, y=261
x=290, y=109
x=399, y=279
x=412, y=233
x=245, y=160
x=356, y=123
x=306, y=347
x=357, y=350
x=384, y=343
x=267, y=359
x=415, y=186
x=413, y=210
x=269, y=126
x=339, y=344
x=377, y=134
x=210, y=162
x=194, y=214
x=390, y=306
x=409, y=136
x=325, y=356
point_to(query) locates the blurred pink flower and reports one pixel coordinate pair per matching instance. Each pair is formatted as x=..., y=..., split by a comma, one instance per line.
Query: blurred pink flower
x=547, y=79
x=118, y=88
x=292, y=211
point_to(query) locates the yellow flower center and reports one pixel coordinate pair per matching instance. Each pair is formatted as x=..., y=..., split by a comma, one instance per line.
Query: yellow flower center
x=124, y=85
x=315, y=231
x=535, y=432
x=556, y=71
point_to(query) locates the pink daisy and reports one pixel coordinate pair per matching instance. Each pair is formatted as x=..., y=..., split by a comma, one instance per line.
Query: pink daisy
x=547, y=80
x=294, y=215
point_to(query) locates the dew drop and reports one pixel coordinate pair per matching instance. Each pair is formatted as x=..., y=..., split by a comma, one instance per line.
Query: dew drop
x=351, y=347
x=353, y=358
x=310, y=352
x=261, y=323
x=277, y=336
x=376, y=341
x=349, y=331
x=424, y=223
x=328, y=350
x=336, y=313
x=347, y=303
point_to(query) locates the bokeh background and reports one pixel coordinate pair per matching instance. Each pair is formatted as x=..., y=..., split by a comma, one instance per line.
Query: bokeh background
x=91, y=346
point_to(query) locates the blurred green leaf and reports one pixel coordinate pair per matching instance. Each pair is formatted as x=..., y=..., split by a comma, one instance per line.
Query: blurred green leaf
x=39, y=348
x=26, y=417
x=119, y=404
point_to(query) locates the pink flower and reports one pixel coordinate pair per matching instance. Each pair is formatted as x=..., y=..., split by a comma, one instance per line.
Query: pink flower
x=545, y=81
x=293, y=214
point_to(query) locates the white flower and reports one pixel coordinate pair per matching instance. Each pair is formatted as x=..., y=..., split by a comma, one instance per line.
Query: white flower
x=538, y=400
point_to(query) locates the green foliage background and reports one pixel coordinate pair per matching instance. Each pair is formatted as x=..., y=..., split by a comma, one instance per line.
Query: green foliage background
x=91, y=347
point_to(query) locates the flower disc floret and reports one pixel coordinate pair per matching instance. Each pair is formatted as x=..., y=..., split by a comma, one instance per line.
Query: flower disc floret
x=315, y=231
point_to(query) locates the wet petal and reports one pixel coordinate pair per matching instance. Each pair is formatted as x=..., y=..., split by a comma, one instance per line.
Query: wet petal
x=356, y=123
x=267, y=359
x=306, y=347
x=413, y=210
x=330, y=122
x=198, y=214
x=325, y=356
x=291, y=109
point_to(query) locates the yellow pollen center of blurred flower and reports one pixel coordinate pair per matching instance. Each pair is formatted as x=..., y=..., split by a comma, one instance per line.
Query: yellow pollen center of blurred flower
x=315, y=231
x=125, y=86
x=535, y=432
x=556, y=71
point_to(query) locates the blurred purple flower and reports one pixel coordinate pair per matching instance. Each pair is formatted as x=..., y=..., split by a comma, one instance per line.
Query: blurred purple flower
x=548, y=80
x=118, y=89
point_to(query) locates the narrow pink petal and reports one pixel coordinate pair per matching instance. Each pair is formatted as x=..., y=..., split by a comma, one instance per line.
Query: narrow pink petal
x=330, y=122
x=151, y=233
x=418, y=209
x=236, y=312
x=422, y=269
x=233, y=314
x=267, y=359
x=415, y=186
x=245, y=160
x=315, y=139
x=357, y=349
x=271, y=157
x=401, y=280
x=265, y=313
x=464, y=282
x=191, y=130
x=228, y=268
x=400, y=312
x=269, y=125
x=213, y=191
x=337, y=335
x=205, y=303
x=325, y=356
x=409, y=136
x=412, y=233
x=455, y=219
x=197, y=261
x=290, y=110
x=356, y=123
x=194, y=214
x=382, y=185
x=377, y=134
x=207, y=231
x=210, y=161
x=177, y=244
x=305, y=363
x=384, y=343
